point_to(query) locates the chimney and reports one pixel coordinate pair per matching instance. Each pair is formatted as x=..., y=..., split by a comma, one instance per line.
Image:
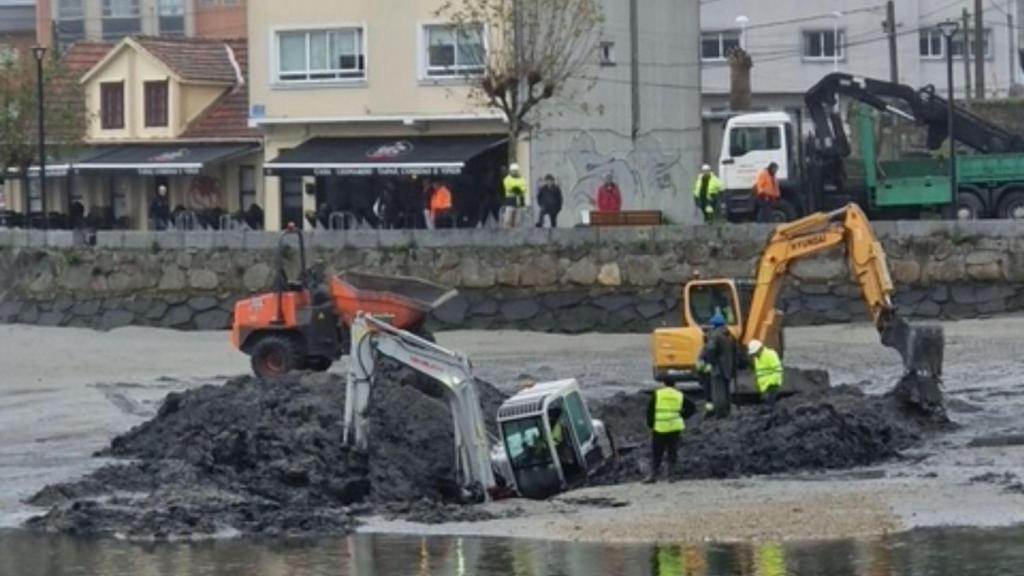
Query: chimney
x=44, y=23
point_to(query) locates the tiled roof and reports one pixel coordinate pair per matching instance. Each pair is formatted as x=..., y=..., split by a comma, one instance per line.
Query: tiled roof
x=82, y=56
x=228, y=117
x=192, y=59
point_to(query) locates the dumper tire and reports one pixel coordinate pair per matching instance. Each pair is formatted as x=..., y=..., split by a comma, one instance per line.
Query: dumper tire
x=319, y=363
x=720, y=397
x=275, y=355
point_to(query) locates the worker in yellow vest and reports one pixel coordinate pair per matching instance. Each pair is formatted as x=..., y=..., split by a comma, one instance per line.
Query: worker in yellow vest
x=666, y=413
x=768, y=371
x=516, y=191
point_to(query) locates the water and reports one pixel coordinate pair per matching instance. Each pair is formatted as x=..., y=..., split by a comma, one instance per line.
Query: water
x=947, y=552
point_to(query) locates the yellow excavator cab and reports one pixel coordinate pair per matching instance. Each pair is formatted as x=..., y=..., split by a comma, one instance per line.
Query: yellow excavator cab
x=676, y=350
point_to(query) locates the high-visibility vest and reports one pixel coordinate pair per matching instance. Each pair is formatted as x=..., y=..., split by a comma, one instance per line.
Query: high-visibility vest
x=768, y=370
x=668, y=404
x=441, y=200
x=515, y=186
x=714, y=187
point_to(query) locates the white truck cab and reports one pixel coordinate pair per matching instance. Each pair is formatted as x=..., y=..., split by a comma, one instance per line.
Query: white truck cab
x=749, y=144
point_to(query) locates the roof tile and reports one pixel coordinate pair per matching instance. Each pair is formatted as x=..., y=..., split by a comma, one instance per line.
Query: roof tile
x=192, y=59
x=228, y=117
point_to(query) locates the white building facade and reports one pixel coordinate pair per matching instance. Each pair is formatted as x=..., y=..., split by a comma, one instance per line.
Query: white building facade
x=793, y=43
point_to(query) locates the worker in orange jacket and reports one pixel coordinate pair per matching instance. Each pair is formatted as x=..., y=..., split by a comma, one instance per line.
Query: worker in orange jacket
x=766, y=192
x=441, y=206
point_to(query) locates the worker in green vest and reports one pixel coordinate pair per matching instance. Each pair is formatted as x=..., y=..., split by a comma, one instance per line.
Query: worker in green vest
x=768, y=371
x=666, y=413
x=705, y=193
x=516, y=189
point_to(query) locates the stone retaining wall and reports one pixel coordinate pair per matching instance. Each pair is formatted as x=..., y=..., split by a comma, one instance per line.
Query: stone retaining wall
x=549, y=280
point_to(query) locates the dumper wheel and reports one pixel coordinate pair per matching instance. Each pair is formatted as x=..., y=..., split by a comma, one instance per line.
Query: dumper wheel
x=275, y=355
x=319, y=363
x=720, y=397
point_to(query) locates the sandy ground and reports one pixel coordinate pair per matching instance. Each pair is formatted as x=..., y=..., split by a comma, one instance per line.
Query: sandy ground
x=65, y=392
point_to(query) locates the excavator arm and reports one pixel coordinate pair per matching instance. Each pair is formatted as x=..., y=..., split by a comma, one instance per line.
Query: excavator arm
x=920, y=347
x=371, y=339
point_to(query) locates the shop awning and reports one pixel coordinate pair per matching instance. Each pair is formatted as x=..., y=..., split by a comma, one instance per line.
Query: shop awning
x=161, y=160
x=416, y=155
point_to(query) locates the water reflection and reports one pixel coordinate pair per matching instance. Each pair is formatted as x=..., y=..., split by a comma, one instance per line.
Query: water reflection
x=925, y=553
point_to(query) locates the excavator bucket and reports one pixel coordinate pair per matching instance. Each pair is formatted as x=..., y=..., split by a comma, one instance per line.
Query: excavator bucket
x=921, y=347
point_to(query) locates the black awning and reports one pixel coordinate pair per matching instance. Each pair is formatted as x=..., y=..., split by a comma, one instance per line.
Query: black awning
x=163, y=159
x=419, y=155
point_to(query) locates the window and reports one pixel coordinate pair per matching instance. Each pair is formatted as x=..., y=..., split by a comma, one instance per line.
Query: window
x=70, y=9
x=155, y=94
x=172, y=17
x=321, y=55
x=525, y=444
x=246, y=187
x=35, y=196
x=70, y=21
x=112, y=105
x=121, y=18
x=454, y=51
x=822, y=44
x=715, y=46
x=581, y=424
x=744, y=140
x=957, y=44
x=607, y=53
x=707, y=299
x=931, y=44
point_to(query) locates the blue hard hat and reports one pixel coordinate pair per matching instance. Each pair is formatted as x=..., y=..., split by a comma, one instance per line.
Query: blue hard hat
x=717, y=321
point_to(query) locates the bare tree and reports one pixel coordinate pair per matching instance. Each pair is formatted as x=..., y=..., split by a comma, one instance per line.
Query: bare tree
x=739, y=79
x=535, y=48
x=64, y=112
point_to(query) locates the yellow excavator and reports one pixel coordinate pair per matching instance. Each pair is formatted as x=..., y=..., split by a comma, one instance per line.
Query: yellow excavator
x=676, y=350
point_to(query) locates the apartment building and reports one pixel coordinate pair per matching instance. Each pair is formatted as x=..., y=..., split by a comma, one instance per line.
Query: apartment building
x=112, y=20
x=369, y=97
x=793, y=43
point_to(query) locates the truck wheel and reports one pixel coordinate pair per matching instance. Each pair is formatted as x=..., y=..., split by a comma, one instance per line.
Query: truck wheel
x=1011, y=207
x=720, y=397
x=275, y=355
x=969, y=207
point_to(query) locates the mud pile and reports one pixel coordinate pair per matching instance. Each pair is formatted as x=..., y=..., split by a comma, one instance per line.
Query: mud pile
x=834, y=428
x=264, y=458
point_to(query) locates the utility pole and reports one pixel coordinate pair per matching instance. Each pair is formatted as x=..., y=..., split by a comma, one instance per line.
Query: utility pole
x=634, y=66
x=964, y=35
x=890, y=29
x=1011, y=34
x=979, y=51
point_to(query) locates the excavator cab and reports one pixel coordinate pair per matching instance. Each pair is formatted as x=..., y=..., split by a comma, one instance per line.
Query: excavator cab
x=549, y=442
x=676, y=350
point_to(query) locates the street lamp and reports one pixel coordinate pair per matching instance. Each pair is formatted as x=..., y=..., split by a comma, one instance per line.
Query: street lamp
x=836, y=45
x=40, y=52
x=741, y=21
x=949, y=28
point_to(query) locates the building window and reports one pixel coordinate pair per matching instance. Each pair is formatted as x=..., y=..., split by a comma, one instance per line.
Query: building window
x=172, y=17
x=454, y=51
x=931, y=44
x=112, y=105
x=321, y=55
x=35, y=196
x=156, y=104
x=607, y=52
x=958, y=44
x=121, y=18
x=821, y=44
x=246, y=187
x=70, y=22
x=715, y=46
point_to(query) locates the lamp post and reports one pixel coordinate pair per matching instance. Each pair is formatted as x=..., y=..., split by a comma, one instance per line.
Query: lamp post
x=741, y=21
x=40, y=52
x=949, y=29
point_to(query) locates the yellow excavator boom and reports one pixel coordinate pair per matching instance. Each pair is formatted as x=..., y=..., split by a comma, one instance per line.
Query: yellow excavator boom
x=920, y=347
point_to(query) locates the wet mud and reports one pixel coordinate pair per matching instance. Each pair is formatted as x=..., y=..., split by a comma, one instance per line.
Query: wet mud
x=266, y=458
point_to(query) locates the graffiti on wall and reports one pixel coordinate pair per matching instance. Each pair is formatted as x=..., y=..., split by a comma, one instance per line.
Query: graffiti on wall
x=647, y=175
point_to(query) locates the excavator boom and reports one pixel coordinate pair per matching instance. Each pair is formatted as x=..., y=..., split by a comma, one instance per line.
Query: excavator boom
x=921, y=347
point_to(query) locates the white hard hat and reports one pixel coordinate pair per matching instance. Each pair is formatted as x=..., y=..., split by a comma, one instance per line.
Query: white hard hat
x=754, y=347
x=513, y=167
x=706, y=168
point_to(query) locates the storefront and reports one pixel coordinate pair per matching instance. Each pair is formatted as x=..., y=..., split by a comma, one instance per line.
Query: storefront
x=334, y=182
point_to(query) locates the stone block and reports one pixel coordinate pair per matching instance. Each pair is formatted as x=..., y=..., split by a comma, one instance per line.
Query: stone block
x=453, y=312
x=927, y=309
x=642, y=270
x=907, y=229
x=53, y=318
x=580, y=319
x=543, y=322
x=508, y=274
x=395, y=238
x=992, y=271
x=610, y=275
x=476, y=274
x=821, y=303
x=959, y=311
x=905, y=271
x=612, y=302
x=539, y=272
x=200, y=240
x=172, y=279
x=109, y=239
x=177, y=317
x=838, y=314
x=583, y=272
x=9, y=311
x=261, y=240
x=169, y=239
x=362, y=239
x=202, y=303
x=674, y=235
x=830, y=266
x=229, y=239
x=115, y=319
x=939, y=294
x=62, y=239
x=650, y=310
x=137, y=305
x=573, y=237
x=87, y=307
x=133, y=240
x=910, y=297
x=626, y=235
x=257, y=277
x=29, y=313
x=156, y=310
x=203, y=279
x=215, y=319
x=63, y=304
x=996, y=306
x=558, y=300
x=519, y=309
x=486, y=307
x=951, y=270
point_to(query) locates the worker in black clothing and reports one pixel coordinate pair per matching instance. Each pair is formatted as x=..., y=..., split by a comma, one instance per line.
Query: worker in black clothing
x=666, y=414
x=718, y=359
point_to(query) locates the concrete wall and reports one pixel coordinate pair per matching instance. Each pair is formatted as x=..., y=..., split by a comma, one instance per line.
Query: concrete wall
x=552, y=280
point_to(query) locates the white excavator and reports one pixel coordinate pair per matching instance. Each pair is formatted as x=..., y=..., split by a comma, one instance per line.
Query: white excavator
x=548, y=441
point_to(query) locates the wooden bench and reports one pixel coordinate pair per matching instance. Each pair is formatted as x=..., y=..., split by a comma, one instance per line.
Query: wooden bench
x=627, y=218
